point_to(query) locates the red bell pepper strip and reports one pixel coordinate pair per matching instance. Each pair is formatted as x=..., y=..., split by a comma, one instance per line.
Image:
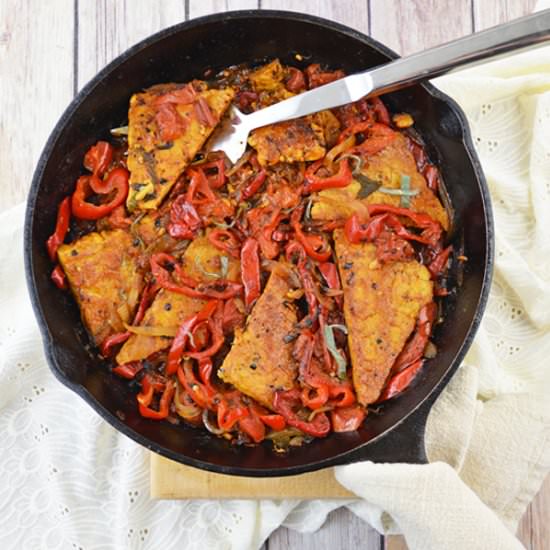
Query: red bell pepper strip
x=250, y=271
x=342, y=394
x=225, y=240
x=380, y=110
x=254, y=185
x=317, y=77
x=58, y=277
x=431, y=174
x=347, y=419
x=293, y=249
x=199, y=393
x=253, y=426
x=169, y=122
x=230, y=413
x=220, y=289
x=117, y=218
x=398, y=382
x=205, y=373
x=180, y=96
x=216, y=181
x=233, y=317
x=199, y=184
x=330, y=274
x=414, y=348
x=317, y=399
x=379, y=137
x=113, y=340
x=128, y=370
x=245, y=99
x=270, y=249
x=117, y=180
x=147, y=296
x=182, y=335
x=361, y=127
x=356, y=232
x=418, y=218
x=439, y=263
x=296, y=81
x=315, y=246
x=329, y=360
x=274, y=421
x=61, y=228
x=98, y=158
x=215, y=327
x=145, y=397
x=204, y=113
x=184, y=219
x=342, y=178
x=286, y=402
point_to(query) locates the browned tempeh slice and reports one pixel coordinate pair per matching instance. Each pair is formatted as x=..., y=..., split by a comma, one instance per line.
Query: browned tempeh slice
x=102, y=269
x=260, y=362
x=155, y=166
x=381, y=305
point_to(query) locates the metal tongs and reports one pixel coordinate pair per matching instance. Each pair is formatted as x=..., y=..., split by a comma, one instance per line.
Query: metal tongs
x=528, y=32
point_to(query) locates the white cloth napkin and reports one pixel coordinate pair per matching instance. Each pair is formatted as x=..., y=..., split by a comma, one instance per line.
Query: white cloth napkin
x=70, y=481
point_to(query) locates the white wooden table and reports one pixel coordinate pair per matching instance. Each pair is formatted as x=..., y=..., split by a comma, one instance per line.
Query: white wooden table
x=50, y=49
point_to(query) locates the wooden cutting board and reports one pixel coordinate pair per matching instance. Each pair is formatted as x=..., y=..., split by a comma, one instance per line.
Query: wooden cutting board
x=171, y=480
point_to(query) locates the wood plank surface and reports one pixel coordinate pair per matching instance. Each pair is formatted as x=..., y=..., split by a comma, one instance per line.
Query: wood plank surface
x=341, y=531
x=106, y=28
x=488, y=13
x=36, y=84
x=48, y=50
x=206, y=7
x=354, y=13
x=409, y=26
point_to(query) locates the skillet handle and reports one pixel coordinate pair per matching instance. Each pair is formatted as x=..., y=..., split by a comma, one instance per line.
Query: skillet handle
x=405, y=443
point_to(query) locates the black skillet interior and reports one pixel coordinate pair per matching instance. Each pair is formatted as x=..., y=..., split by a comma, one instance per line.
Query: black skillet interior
x=182, y=53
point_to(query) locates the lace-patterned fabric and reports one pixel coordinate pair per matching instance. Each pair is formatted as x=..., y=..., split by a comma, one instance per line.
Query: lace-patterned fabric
x=69, y=481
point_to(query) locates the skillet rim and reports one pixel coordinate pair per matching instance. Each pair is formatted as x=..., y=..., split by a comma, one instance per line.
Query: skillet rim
x=49, y=344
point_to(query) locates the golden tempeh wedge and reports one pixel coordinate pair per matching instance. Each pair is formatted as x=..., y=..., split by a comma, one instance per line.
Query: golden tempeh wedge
x=102, y=269
x=154, y=165
x=260, y=362
x=381, y=305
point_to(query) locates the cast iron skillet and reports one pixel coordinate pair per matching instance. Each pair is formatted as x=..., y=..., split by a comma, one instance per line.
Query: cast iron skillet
x=182, y=53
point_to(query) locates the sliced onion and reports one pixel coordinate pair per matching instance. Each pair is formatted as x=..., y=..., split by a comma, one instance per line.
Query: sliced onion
x=332, y=292
x=153, y=330
x=339, y=149
x=187, y=412
x=315, y=412
x=208, y=425
x=430, y=351
x=243, y=160
x=224, y=260
x=120, y=131
x=342, y=328
x=358, y=162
